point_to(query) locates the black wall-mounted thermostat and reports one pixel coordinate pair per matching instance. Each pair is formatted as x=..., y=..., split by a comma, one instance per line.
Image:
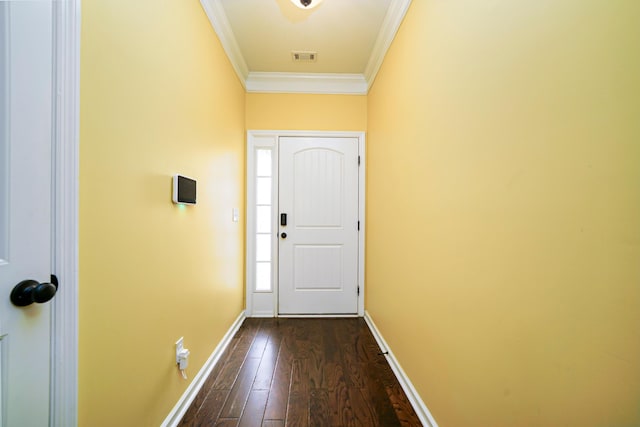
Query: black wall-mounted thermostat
x=184, y=190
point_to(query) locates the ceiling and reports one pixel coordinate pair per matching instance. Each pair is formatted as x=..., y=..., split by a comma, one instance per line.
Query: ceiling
x=348, y=38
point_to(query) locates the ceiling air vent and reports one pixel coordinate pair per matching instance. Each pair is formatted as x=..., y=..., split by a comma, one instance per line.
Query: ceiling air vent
x=299, y=56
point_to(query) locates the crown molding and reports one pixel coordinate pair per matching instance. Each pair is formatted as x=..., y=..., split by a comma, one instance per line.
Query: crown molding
x=220, y=23
x=390, y=25
x=346, y=84
x=263, y=82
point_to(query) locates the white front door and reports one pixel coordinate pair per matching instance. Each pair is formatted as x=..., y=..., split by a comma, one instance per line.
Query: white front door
x=318, y=249
x=25, y=209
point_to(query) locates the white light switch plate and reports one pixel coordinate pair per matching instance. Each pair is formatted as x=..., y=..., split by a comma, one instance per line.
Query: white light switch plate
x=236, y=215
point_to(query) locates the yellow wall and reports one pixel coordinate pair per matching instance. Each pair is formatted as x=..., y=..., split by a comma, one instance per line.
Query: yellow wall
x=503, y=210
x=267, y=111
x=158, y=97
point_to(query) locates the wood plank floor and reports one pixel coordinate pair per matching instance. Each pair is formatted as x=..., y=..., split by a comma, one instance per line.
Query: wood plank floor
x=299, y=373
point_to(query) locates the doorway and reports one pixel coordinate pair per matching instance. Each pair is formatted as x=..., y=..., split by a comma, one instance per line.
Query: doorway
x=305, y=224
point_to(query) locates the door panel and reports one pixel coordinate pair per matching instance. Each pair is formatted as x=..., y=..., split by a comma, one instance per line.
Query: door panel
x=318, y=258
x=318, y=267
x=318, y=200
x=25, y=206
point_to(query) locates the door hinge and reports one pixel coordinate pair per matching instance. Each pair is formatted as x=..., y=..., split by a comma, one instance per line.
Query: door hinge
x=358, y=225
x=358, y=290
x=358, y=160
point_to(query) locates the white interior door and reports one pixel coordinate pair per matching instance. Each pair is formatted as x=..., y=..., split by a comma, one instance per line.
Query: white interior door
x=25, y=208
x=318, y=249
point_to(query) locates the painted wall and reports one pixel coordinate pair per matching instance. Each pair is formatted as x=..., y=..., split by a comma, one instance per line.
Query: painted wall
x=158, y=97
x=267, y=111
x=504, y=138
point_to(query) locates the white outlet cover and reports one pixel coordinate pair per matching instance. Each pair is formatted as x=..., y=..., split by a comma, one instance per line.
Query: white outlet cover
x=179, y=348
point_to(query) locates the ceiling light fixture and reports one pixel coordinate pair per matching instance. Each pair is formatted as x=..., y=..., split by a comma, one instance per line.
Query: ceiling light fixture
x=306, y=4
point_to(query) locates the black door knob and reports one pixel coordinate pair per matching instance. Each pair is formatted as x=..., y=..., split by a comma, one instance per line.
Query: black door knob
x=283, y=235
x=29, y=291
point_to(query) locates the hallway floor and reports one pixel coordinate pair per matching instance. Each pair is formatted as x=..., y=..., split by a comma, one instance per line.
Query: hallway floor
x=302, y=372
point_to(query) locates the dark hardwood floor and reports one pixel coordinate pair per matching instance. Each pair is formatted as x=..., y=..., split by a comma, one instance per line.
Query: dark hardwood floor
x=301, y=372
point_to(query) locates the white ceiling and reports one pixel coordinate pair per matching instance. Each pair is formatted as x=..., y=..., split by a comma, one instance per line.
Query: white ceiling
x=349, y=36
x=343, y=33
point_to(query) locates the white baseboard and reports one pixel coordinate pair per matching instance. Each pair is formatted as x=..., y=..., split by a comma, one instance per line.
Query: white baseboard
x=178, y=411
x=262, y=314
x=419, y=406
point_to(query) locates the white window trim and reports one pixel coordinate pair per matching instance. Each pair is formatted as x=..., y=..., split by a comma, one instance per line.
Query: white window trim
x=263, y=303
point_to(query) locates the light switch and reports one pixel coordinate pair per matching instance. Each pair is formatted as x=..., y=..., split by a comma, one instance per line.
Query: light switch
x=236, y=214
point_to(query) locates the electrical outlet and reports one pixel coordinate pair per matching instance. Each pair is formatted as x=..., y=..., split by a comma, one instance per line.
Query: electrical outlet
x=179, y=348
x=182, y=356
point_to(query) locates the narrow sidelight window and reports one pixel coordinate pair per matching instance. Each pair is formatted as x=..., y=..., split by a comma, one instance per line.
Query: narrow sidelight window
x=263, y=209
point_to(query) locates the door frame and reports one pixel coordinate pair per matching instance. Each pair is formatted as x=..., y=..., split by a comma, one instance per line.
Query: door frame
x=265, y=303
x=65, y=212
